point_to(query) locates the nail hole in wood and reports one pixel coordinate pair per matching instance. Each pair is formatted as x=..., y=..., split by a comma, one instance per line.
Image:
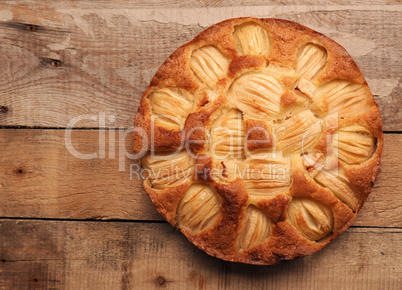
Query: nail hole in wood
x=31, y=28
x=3, y=261
x=160, y=280
x=35, y=280
x=55, y=63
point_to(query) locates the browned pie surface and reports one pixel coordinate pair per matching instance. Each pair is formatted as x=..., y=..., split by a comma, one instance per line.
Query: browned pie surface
x=259, y=139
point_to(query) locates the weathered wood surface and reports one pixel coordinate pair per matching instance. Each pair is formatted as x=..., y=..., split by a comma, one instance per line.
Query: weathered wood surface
x=116, y=255
x=63, y=60
x=40, y=178
x=92, y=57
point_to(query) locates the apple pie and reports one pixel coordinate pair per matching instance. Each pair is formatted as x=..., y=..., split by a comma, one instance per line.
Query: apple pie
x=259, y=139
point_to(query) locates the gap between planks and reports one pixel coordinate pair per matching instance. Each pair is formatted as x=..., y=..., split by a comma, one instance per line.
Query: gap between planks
x=143, y=222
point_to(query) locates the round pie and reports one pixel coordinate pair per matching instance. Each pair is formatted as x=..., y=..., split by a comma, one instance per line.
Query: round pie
x=259, y=139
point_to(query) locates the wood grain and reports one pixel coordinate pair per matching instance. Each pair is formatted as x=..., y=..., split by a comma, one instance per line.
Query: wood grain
x=135, y=4
x=116, y=255
x=40, y=178
x=63, y=60
x=92, y=57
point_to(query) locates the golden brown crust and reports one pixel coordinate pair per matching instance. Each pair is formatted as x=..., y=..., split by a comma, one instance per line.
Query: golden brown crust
x=279, y=137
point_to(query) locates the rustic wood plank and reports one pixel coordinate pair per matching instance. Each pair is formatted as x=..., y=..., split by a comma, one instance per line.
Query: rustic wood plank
x=96, y=57
x=39, y=177
x=136, y=4
x=49, y=182
x=382, y=206
x=116, y=255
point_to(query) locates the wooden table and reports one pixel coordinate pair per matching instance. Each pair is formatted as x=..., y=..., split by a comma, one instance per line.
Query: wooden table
x=68, y=222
